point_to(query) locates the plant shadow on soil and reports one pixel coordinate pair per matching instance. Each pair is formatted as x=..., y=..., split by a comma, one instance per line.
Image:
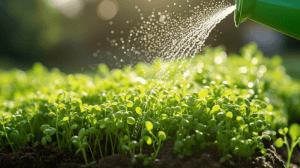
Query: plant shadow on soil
x=47, y=156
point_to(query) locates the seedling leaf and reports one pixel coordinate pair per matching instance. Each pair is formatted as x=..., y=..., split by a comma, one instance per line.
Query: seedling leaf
x=279, y=143
x=294, y=131
x=138, y=110
x=162, y=135
x=149, y=125
x=130, y=120
x=129, y=104
x=148, y=140
x=215, y=108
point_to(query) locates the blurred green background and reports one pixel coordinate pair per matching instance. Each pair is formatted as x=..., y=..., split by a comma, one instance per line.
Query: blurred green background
x=67, y=33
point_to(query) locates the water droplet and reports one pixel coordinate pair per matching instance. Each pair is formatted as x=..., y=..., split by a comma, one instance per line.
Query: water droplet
x=262, y=69
x=254, y=61
x=111, y=23
x=250, y=84
x=218, y=60
x=186, y=74
x=243, y=70
x=112, y=32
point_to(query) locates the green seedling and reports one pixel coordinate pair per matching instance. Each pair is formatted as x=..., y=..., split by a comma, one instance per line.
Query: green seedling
x=161, y=136
x=80, y=142
x=294, y=132
x=48, y=131
x=5, y=134
x=129, y=108
x=53, y=107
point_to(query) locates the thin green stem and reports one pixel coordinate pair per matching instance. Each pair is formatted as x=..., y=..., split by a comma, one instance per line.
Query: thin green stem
x=112, y=145
x=153, y=145
x=95, y=142
x=106, y=145
x=142, y=137
x=90, y=138
x=287, y=145
x=159, y=144
x=153, y=135
x=68, y=134
x=31, y=132
x=100, y=148
x=127, y=130
x=83, y=152
x=290, y=151
x=91, y=152
x=169, y=126
x=22, y=131
x=116, y=138
x=57, y=131
x=7, y=137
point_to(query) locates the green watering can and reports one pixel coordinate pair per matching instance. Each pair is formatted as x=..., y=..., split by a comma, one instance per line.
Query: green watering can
x=281, y=15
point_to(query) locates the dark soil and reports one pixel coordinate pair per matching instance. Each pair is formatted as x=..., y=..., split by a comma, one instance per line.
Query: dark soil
x=47, y=156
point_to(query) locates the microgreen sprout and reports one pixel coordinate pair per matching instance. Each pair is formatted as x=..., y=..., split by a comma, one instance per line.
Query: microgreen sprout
x=80, y=142
x=5, y=134
x=294, y=132
x=112, y=109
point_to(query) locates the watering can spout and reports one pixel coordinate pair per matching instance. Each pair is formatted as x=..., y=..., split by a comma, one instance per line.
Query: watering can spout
x=280, y=15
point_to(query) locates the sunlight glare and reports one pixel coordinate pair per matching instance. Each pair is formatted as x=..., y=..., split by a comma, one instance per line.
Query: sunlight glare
x=107, y=9
x=70, y=8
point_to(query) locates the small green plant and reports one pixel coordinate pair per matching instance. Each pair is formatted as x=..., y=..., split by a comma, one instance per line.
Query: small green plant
x=200, y=103
x=294, y=132
x=48, y=131
x=80, y=142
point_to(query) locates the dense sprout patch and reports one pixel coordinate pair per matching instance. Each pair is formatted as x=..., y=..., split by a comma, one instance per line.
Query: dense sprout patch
x=212, y=100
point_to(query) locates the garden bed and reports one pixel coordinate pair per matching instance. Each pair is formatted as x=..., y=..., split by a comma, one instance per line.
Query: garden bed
x=47, y=156
x=213, y=111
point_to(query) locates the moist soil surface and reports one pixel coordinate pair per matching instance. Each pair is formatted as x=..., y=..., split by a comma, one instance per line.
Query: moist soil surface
x=41, y=156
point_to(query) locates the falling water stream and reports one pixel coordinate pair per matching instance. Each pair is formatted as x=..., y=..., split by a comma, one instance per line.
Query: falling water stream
x=193, y=37
x=171, y=36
